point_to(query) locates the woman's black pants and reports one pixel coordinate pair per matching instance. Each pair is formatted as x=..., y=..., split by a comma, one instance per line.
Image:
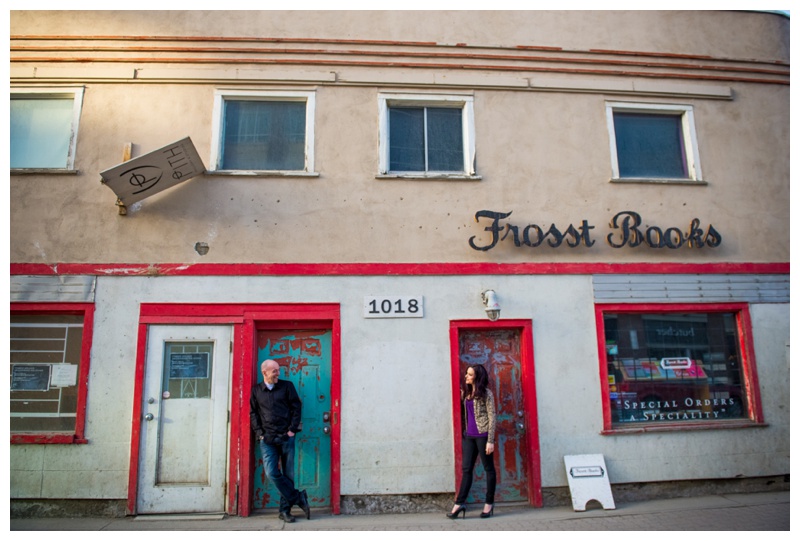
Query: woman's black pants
x=471, y=448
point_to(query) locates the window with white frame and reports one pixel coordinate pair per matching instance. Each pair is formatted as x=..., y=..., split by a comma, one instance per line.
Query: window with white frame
x=44, y=127
x=263, y=131
x=653, y=142
x=426, y=135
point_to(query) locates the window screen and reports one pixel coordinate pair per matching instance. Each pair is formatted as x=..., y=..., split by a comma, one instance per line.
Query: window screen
x=264, y=135
x=425, y=139
x=650, y=145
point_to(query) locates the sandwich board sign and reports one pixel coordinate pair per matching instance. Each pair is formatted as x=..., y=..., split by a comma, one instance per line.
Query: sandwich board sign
x=154, y=172
x=588, y=480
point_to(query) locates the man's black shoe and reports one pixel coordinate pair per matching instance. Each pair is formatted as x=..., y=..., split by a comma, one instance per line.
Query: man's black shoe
x=303, y=503
x=286, y=517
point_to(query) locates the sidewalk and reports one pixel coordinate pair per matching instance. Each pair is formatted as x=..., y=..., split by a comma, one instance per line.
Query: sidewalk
x=767, y=511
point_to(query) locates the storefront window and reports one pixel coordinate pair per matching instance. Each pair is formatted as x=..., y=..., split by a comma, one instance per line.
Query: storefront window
x=674, y=367
x=49, y=361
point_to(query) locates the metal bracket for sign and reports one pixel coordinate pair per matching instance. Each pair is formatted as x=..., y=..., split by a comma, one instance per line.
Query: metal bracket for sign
x=127, y=151
x=588, y=480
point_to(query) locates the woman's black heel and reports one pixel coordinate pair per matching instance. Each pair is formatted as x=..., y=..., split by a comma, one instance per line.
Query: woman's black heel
x=490, y=513
x=462, y=510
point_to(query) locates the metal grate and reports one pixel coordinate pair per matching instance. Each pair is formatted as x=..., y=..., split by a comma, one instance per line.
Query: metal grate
x=691, y=288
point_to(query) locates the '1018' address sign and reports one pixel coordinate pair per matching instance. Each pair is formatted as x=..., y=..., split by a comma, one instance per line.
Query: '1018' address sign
x=390, y=306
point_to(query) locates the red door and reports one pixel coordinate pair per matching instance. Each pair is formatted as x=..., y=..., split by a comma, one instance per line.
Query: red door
x=506, y=354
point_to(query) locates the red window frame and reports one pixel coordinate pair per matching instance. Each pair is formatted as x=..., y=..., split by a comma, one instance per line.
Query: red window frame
x=744, y=326
x=80, y=309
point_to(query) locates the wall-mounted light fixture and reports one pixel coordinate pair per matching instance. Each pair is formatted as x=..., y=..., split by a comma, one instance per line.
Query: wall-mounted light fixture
x=489, y=298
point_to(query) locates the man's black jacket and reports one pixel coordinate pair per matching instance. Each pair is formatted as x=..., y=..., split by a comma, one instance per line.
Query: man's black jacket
x=276, y=412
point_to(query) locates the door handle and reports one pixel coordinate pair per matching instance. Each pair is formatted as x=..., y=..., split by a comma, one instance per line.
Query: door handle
x=148, y=417
x=326, y=417
x=326, y=429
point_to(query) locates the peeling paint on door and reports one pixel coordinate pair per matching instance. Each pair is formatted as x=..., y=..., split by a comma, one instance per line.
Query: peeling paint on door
x=499, y=352
x=305, y=359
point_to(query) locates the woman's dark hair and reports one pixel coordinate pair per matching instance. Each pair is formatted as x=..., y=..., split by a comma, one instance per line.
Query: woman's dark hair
x=481, y=381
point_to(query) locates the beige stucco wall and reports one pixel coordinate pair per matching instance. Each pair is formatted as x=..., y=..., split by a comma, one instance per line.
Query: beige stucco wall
x=689, y=32
x=542, y=154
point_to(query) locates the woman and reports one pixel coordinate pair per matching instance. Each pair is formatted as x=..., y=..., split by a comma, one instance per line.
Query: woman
x=478, y=425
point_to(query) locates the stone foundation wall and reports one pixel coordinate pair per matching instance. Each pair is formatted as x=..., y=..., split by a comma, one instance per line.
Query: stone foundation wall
x=434, y=503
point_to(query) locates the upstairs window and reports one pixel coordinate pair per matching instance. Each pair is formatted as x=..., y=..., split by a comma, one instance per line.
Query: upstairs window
x=264, y=131
x=652, y=142
x=426, y=135
x=44, y=128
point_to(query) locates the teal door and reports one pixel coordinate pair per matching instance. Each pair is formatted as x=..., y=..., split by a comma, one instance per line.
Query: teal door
x=305, y=359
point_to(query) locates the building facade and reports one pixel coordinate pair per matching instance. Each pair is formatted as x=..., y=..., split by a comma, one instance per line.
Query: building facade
x=593, y=205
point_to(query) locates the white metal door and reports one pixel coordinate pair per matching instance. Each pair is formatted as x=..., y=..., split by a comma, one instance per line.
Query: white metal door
x=183, y=449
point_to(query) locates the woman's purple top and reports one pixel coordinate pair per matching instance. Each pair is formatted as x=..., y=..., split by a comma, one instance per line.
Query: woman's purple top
x=472, y=426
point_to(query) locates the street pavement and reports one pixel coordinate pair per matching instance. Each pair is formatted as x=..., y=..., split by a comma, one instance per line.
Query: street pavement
x=766, y=511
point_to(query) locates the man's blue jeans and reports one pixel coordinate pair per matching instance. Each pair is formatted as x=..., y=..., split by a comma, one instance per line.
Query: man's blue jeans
x=279, y=466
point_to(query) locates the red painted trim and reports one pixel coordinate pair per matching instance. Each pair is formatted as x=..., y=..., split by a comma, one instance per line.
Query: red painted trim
x=528, y=377
x=136, y=417
x=336, y=412
x=243, y=370
x=527, y=380
x=245, y=320
x=605, y=394
x=218, y=39
x=455, y=380
x=752, y=388
x=744, y=326
x=650, y=429
x=39, y=438
x=686, y=57
x=645, y=62
x=234, y=453
x=226, y=39
x=387, y=64
x=389, y=269
x=87, y=311
x=83, y=372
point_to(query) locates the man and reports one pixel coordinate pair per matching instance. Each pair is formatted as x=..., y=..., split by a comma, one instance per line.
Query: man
x=275, y=418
